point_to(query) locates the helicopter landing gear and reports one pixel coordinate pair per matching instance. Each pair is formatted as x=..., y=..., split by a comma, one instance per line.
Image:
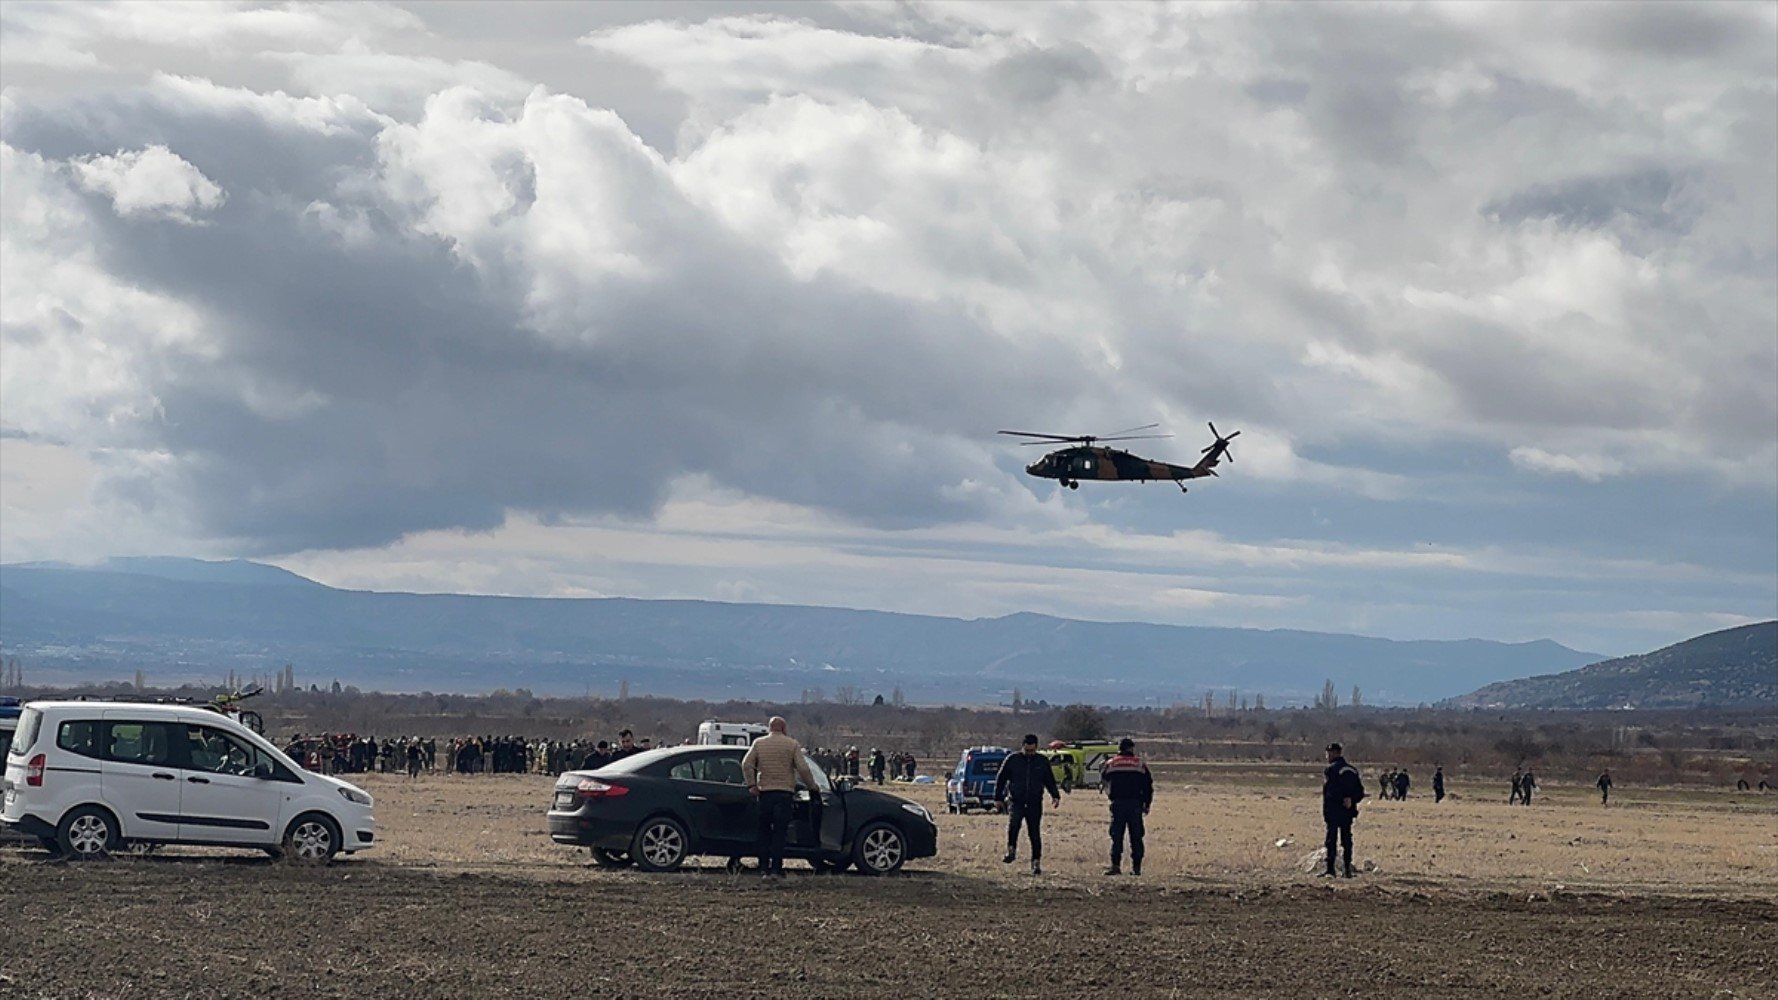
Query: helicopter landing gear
x=1181, y=484
x=1071, y=484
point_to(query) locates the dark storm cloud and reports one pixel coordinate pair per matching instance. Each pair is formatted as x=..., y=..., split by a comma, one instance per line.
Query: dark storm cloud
x=1035, y=75
x=1644, y=197
x=1278, y=90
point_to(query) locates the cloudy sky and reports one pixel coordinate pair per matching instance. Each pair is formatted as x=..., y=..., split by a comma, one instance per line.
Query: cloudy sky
x=728, y=300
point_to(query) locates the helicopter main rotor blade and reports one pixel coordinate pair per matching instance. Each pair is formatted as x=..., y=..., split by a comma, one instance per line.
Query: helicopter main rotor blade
x=1130, y=430
x=1135, y=437
x=1046, y=437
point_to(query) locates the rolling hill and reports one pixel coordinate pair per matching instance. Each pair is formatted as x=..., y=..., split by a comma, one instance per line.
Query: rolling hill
x=184, y=619
x=1736, y=667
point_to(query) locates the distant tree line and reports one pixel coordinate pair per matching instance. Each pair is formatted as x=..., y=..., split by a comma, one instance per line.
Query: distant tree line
x=1704, y=746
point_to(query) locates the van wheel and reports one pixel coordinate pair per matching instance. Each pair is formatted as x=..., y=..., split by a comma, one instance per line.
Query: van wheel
x=660, y=845
x=880, y=849
x=87, y=832
x=311, y=839
x=607, y=858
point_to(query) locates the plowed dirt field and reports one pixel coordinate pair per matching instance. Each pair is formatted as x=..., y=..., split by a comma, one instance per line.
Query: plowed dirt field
x=465, y=897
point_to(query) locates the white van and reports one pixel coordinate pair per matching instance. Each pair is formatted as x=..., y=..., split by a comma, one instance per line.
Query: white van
x=729, y=734
x=88, y=777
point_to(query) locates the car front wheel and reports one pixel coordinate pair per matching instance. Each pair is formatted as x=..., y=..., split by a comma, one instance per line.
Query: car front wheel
x=881, y=848
x=312, y=839
x=660, y=845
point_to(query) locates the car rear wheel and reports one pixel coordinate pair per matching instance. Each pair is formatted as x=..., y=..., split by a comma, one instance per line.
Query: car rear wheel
x=660, y=845
x=87, y=832
x=881, y=848
x=605, y=857
x=311, y=839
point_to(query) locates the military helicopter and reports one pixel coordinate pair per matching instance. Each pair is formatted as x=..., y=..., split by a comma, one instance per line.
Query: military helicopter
x=1085, y=461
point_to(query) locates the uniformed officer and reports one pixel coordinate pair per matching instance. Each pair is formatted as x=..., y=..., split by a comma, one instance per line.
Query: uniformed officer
x=1340, y=794
x=1130, y=788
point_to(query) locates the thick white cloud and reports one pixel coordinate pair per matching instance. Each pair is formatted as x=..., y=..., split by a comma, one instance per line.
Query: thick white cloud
x=150, y=182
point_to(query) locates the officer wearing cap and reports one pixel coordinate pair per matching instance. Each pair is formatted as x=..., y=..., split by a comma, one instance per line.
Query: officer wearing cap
x=1340, y=795
x=1023, y=778
x=1130, y=788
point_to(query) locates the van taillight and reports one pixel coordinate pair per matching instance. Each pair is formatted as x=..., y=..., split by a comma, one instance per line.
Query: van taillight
x=34, y=771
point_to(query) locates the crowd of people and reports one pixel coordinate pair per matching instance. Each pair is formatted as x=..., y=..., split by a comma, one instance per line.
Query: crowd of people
x=880, y=766
x=350, y=753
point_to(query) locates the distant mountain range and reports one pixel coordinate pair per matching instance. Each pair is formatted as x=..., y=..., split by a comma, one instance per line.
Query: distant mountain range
x=1735, y=667
x=181, y=619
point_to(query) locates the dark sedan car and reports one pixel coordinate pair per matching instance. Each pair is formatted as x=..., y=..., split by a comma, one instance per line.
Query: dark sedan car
x=658, y=808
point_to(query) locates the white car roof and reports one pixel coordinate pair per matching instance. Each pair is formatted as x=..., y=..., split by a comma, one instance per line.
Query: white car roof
x=147, y=710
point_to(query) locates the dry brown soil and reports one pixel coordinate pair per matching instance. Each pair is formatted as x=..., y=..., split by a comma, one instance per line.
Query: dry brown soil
x=1666, y=893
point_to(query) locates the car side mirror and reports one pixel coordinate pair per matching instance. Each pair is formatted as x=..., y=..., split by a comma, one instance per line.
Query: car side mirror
x=262, y=770
x=844, y=782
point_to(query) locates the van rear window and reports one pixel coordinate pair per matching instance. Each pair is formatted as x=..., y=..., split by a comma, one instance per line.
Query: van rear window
x=27, y=731
x=80, y=736
x=990, y=765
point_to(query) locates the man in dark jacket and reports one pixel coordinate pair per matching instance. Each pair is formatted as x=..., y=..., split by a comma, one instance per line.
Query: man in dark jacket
x=600, y=756
x=1438, y=784
x=626, y=746
x=1340, y=794
x=1024, y=778
x=1130, y=788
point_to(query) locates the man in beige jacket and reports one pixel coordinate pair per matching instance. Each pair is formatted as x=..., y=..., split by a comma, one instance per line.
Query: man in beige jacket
x=771, y=768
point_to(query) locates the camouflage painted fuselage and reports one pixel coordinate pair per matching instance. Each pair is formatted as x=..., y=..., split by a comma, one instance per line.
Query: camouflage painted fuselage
x=1083, y=463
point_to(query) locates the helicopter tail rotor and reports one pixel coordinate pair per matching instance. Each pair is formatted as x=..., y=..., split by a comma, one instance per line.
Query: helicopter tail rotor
x=1220, y=447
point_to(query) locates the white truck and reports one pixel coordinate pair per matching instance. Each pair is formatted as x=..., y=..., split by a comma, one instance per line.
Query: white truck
x=729, y=734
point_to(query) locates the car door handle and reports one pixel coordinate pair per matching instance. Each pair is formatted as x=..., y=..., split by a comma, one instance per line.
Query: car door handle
x=162, y=776
x=696, y=798
x=194, y=779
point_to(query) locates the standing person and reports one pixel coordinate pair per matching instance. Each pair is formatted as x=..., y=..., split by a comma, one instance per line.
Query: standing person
x=1518, y=786
x=1130, y=788
x=1438, y=784
x=414, y=756
x=1526, y=786
x=1401, y=785
x=877, y=765
x=1024, y=778
x=1604, y=784
x=907, y=766
x=1340, y=794
x=771, y=769
x=599, y=757
x=626, y=746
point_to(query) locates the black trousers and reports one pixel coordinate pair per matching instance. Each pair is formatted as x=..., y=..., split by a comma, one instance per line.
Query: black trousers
x=1339, y=828
x=774, y=826
x=1031, y=815
x=1126, y=814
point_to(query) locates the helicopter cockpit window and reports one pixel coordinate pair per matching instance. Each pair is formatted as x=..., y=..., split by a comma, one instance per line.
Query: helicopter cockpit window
x=1083, y=464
